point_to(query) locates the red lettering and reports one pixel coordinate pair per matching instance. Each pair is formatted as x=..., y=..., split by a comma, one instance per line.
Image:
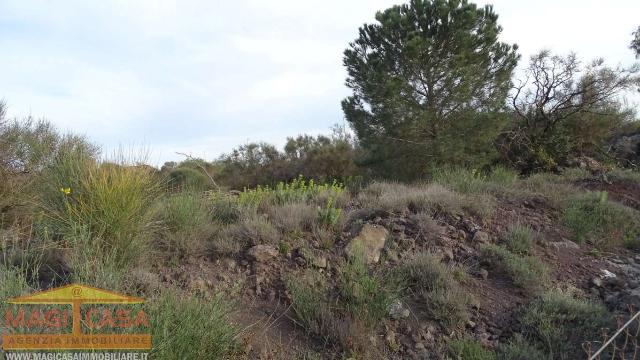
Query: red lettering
x=14, y=321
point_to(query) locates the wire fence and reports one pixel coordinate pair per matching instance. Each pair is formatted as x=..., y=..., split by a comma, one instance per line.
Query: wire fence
x=622, y=345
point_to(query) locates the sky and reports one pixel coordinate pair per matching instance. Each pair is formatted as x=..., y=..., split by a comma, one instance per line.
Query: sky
x=202, y=77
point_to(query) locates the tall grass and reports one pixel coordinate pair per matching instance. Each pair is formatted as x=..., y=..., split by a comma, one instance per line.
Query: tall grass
x=111, y=202
x=527, y=272
x=187, y=224
x=592, y=217
x=559, y=323
x=192, y=328
x=436, y=289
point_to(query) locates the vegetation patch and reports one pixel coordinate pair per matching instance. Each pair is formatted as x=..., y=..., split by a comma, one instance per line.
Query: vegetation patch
x=520, y=239
x=433, y=284
x=592, y=217
x=559, y=323
x=467, y=349
x=527, y=272
x=192, y=328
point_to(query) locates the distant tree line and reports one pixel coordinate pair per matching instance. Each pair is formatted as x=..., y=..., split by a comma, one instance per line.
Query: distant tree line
x=432, y=86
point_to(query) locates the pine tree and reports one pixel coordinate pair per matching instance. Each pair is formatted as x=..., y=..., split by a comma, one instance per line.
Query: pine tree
x=427, y=79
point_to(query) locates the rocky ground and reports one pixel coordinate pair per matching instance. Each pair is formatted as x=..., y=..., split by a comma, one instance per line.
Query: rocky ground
x=272, y=331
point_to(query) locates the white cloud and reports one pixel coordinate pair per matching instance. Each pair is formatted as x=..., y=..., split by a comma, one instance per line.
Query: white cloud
x=205, y=76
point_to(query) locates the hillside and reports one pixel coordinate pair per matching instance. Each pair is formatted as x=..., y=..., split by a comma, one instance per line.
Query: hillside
x=468, y=265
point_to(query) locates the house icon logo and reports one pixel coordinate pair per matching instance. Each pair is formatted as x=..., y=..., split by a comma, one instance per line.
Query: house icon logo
x=98, y=320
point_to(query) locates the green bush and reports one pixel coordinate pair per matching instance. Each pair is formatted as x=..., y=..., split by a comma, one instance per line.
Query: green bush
x=293, y=217
x=309, y=293
x=519, y=348
x=251, y=231
x=520, y=239
x=185, y=178
x=527, y=272
x=192, y=328
x=187, y=224
x=329, y=216
x=593, y=218
x=433, y=198
x=184, y=211
x=502, y=175
x=367, y=296
x=436, y=289
x=559, y=324
x=467, y=349
x=460, y=179
x=112, y=202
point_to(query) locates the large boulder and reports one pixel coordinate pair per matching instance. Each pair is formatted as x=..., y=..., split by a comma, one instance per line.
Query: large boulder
x=370, y=241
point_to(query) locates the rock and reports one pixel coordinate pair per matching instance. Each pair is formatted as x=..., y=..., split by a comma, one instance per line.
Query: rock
x=481, y=237
x=484, y=274
x=262, y=253
x=390, y=338
x=370, y=241
x=319, y=261
x=566, y=244
x=301, y=261
x=397, y=311
x=419, y=346
x=471, y=324
x=597, y=282
x=230, y=264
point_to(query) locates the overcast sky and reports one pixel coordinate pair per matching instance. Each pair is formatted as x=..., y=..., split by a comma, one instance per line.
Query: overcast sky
x=204, y=76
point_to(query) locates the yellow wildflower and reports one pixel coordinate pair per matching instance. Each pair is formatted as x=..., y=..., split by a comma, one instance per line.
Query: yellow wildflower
x=65, y=190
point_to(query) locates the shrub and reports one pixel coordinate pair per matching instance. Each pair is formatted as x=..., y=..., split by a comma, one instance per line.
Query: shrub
x=519, y=348
x=309, y=299
x=425, y=271
x=527, y=272
x=329, y=216
x=191, y=328
x=460, y=179
x=592, y=217
x=426, y=225
x=502, y=175
x=187, y=222
x=183, y=211
x=367, y=297
x=431, y=198
x=560, y=323
x=251, y=231
x=519, y=239
x=467, y=349
x=226, y=210
x=297, y=190
x=184, y=178
x=13, y=282
x=292, y=217
x=439, y=293
x=112, y=202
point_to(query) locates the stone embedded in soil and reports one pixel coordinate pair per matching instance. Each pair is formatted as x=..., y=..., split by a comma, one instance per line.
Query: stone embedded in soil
x=481, y=237
x=397, y=311
x=319, y=261
x=370, y=241
x=567, y=244
x=262, y=253
x=484, y=274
